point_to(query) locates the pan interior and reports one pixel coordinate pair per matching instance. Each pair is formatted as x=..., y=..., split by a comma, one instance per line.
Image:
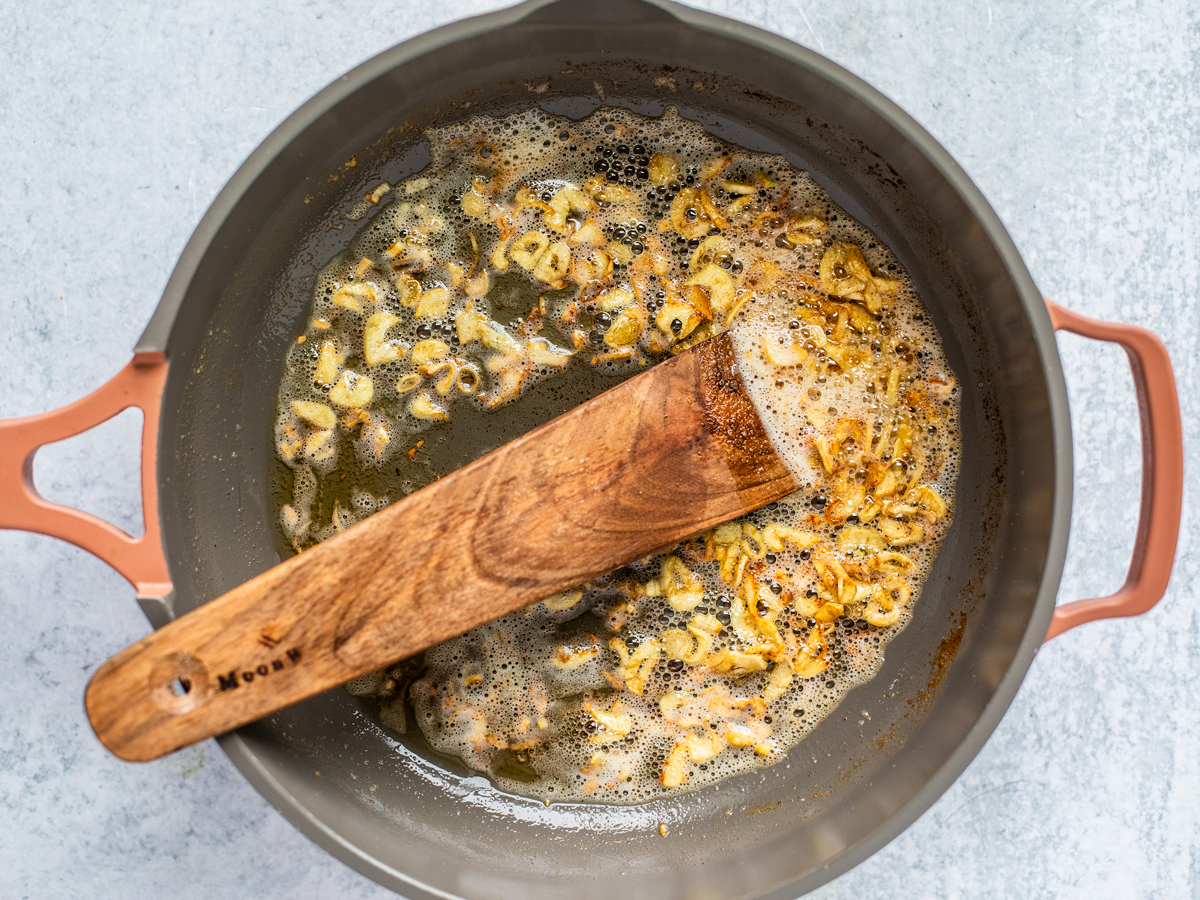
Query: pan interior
x=864, y=774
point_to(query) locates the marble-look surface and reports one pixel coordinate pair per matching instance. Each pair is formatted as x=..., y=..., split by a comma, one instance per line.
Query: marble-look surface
x=1080, y=122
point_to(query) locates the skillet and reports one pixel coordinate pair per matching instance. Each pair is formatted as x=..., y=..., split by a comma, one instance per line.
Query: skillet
x=1007, y=551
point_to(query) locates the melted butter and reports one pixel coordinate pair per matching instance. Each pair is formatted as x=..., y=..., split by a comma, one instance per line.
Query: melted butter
x=722, y=654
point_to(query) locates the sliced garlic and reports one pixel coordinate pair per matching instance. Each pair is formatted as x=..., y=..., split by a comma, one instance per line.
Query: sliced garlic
x=682, y=588
x=408, y=289
x=688, y=215
x=704, y=746
x=424, y=407
x=352, y=390
x=614, y=723
x=556, y=214
x=468, y=378
x=477, y=286
x=674, y=771
x=328, y=364
x=775, y=535
x=856, y=537
x=429, y=350
x=778, y=682
x=316, y=414
x=434, y=303
x=664, y=169
x=615, y=298
x=900, y=534
x=719, y=285
x=289, y=440
x=528, y=249
x=378, y=437
x=844, y=273
x=554, y=264
x=686, y=314
x=626, y=327
x=713, y=249
x=564, y=600
x=377, y=350
x=619, y=252
x=805, y=229
x=542, y=353
x=568, y=658
x=320, y=446
x=494, y=337
x=468, y=323
x=500, y=257
x=588, y=234
x=596, y=265
x=474, y=205
x=787, y=353
x=351, y=296
x=376, y=195
x=737, y=187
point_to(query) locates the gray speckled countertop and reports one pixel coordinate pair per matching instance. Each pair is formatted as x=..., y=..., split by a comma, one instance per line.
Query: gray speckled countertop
x=1080, y=123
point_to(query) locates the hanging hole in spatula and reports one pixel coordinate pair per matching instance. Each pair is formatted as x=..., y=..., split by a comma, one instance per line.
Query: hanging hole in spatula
x=179, y=682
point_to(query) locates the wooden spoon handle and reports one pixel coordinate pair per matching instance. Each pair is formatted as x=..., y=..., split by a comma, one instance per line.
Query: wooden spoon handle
x=657, y=459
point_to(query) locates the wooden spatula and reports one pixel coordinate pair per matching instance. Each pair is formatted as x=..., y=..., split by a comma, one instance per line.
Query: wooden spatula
x=659, y=458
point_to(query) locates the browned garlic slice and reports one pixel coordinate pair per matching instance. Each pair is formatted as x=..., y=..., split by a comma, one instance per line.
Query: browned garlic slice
x=424, y=407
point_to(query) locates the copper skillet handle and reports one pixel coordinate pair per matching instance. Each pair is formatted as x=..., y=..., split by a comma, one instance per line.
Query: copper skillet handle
x=1162, y=473
x=141, y=560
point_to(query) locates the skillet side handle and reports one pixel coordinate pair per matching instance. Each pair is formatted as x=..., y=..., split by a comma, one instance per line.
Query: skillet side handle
x=141, y=560
x=1162, y=473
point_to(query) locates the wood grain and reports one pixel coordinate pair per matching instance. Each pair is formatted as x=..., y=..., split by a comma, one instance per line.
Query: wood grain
x=657, y=459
